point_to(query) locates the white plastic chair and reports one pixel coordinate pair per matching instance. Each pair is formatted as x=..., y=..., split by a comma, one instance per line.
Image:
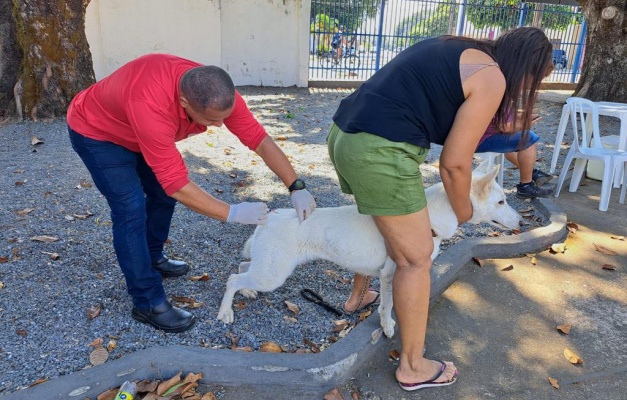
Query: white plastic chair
x=587, y=146
x=559, y=137
x=490, y=159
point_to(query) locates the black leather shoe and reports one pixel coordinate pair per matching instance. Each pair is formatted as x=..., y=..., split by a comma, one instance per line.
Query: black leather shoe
x=165, y=317
x=170, y=268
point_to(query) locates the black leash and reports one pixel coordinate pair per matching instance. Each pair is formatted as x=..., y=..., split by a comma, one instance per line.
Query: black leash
x=315, y=298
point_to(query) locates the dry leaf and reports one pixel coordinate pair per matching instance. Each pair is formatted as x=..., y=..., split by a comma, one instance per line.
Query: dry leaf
x=339, y=325
x=4, y=259
x=25, y=211
x=94, y=311
x=202, y=278
x=182, y=299
x=376, y=335
x=108, y=394
x=334, y=394
x=35, y=141
x=554, y=383
x=21, y=332
x=572, y=227
x=1, y=284
x=270, y=347
x=355, y=395
x=112, y=345
x=165, y=386
x=534, y=261
x=478, y=261
x=290, y=319
x=365, y=315
x=564, y=328
x=617, y=237
x=96, y=343
x=603, y=250
x=314, y=347
x=608, y=267
x=44, y=239
x=572, y=356
x=292, y=307
x=209, y=396
x=53, y=256
x=558, y=247
x=394, y=355
x=508, y=268
x=494, y=234
x=147, y=386
x=247, y=349
x=239, y=305
x=98, y=356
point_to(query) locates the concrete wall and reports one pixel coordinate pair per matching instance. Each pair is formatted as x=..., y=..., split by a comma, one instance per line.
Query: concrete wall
x=259, y=42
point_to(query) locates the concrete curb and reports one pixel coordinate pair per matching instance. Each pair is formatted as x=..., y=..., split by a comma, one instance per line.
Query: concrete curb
x=301, y=372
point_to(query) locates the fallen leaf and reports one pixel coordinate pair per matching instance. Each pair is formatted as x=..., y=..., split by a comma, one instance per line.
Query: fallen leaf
x=617, y=237
x=554, y=383
x=112, y=345
x=394, y=355
x=183, y=299
x=572, y=357
x=270, y=347
x=478, y=261
x=94, y=311
x=35, y=141
x=290, y=319
x=339, y=325
x=85, y=184
x=603, y=250
x=1, y=284
x=38, y=381
x=98, y=356
x=44, y=239
x=608, y=267
x=21, y=332
x=164, y=386
x=202, y=278
x=314, y=347
x=25, y=211
x=376, y=335
x=147, y=386
x=508, y=268
x=191, y=377
x=4, y=259
x=292, y=307
x=558, y=247
x=239, y=305
x=516, y=231
x=108, y=394
x=572, y=227
x=247, y=349
x=355, y=395
x=334, y=394
x=97, y=342
x=534, y=261
x=365, y=315
x=53, y=256
x=83, y=216
x=494, y=234
x=209, y=396
x=564, y=328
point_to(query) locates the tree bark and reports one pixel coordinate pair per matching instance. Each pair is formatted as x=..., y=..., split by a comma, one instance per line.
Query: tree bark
x=604, y=72
x=56, y=62
x=10, y=57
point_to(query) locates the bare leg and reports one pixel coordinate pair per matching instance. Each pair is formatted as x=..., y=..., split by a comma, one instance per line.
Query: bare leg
x=525, y=160
x=411, y=287
x=352, y=304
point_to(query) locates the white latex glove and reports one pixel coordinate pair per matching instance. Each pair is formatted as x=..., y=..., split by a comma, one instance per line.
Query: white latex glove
x=304, y=203
x=248, y=213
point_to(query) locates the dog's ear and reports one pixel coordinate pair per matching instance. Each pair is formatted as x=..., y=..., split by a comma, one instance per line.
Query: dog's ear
x=482, y=184
x=482, y=168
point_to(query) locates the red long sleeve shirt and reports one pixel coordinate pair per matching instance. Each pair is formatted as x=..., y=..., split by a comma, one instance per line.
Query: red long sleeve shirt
x=138, y=107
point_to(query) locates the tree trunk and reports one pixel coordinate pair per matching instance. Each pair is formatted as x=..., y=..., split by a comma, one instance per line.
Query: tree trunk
x=604, y=72
x=56, y=62
x=10, y=57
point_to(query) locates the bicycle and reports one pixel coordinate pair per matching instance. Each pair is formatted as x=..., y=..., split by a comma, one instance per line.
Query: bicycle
x=330, y=59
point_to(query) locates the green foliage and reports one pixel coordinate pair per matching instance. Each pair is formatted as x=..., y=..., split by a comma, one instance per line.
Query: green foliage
x=350, y=13
x=506, y=14
x=417, y=27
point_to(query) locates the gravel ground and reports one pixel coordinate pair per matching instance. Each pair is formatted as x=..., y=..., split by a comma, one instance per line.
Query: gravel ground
x=45, y=190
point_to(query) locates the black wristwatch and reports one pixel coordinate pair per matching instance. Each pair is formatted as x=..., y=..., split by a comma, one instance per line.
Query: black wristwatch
x=298, y=184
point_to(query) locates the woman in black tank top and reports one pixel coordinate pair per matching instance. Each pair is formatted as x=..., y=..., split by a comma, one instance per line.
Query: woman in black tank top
x=417, y=99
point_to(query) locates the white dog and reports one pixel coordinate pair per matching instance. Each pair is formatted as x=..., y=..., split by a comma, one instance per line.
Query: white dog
x=352, y=241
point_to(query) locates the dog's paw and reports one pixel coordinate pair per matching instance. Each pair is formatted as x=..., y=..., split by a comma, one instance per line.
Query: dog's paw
x=226, y=315
x=388, y=328
x=248, y=293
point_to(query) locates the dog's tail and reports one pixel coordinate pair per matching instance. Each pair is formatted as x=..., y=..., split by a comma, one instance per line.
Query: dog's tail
x=246, y=249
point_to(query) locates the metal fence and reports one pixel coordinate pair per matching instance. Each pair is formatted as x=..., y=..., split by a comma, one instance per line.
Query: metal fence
x=352, y=39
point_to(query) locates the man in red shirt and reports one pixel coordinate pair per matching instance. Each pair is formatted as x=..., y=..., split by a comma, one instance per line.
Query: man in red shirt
x=125, y=128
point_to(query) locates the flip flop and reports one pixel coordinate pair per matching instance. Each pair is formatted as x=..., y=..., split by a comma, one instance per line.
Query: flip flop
x=375, y=302
x=410, y=387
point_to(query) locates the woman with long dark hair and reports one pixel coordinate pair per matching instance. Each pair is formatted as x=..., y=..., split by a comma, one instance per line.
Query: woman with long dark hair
x=444, y=90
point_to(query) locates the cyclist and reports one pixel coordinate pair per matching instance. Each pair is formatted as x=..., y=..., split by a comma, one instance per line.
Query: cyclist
x=338, y=42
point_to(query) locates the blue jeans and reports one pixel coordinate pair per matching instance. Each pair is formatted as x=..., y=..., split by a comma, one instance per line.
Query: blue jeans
x=141, y=213
x=506, y=143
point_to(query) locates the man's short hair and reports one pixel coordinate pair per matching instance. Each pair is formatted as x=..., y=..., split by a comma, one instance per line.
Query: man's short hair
x=208, y=86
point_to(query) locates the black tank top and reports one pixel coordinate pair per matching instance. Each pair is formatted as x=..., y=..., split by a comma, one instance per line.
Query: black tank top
x=414, y=98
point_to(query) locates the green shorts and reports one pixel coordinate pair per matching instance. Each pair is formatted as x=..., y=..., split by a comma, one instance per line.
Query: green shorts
x=384, y=176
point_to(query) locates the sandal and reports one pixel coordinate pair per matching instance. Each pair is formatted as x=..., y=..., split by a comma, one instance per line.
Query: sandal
x=375, y=302
x=410, y=387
